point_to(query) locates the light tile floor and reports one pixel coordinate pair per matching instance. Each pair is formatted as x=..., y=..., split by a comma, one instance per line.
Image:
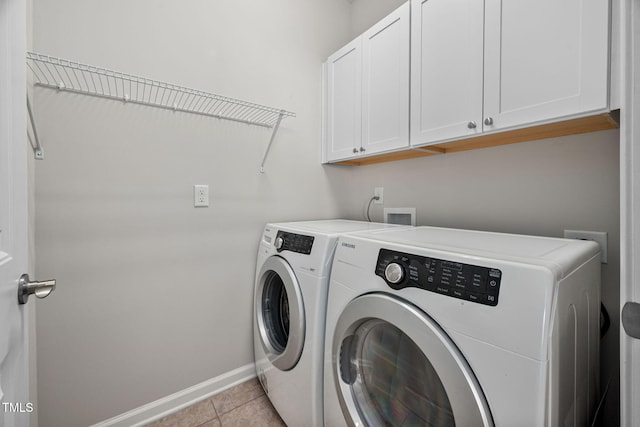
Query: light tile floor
x=240, y=406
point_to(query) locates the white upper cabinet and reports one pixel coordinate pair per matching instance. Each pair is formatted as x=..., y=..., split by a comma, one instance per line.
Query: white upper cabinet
x=505, y=64
x=344, y=101
x=446, y=69
x=545, y=59
x=368, y=91
x=385, y=83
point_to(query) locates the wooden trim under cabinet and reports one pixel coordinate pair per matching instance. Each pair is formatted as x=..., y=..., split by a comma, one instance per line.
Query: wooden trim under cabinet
x=549, y=130
x=407, y=153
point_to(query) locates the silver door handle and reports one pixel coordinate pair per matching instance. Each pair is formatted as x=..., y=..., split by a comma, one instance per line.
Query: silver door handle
x=40, y=289
x=631, y=319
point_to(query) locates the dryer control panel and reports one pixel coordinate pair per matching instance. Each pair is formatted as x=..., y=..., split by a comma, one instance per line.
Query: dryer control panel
x=299, y=243
x=464, y=281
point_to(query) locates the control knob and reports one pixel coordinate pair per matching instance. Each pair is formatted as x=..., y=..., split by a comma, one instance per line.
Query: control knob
x=394, y=273
x=278, y=243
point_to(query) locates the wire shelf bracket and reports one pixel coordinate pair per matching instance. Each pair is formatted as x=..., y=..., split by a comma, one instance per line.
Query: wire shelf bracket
x=38, y=151
x=71, y=76
x=273, y=136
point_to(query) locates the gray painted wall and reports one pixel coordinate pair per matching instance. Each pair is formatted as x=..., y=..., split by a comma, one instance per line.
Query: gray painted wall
x=365, y=13
x=154, y=295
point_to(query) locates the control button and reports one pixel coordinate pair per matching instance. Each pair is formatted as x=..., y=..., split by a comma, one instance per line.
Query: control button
x=394, y=273
x=447, y=274
x=473, y=296
x=494, y=278
x=459, y=285
x=491, y=299
x=429, y=284
x=278, y=243
x=443, y=290
x=416, y=271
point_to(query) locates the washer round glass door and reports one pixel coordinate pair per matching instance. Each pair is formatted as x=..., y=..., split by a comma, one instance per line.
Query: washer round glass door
x=280, y=313
x=394, y=366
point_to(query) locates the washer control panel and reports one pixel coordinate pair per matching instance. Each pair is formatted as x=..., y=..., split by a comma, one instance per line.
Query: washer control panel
x=299, y=243
x=464, y=281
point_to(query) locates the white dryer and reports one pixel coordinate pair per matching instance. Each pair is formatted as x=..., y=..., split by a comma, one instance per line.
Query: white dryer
x=292, y=275
x=430, y=326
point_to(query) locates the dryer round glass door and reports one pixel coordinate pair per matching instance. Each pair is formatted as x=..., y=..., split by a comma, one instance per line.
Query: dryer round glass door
x=394, y=366
x=280, y=313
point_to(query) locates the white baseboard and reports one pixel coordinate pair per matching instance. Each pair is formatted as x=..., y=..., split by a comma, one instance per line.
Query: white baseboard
x=163, y=407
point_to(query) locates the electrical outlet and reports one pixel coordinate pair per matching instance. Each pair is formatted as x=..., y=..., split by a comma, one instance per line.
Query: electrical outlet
x=379, y=193
x=600, y=237
x=200, y=196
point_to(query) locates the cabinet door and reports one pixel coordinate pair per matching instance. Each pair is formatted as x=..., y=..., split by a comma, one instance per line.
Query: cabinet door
x=344, y=101
x=544, y=59
x=385, y=83
x=446, y=69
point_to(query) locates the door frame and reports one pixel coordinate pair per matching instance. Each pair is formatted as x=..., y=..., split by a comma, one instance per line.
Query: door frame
x=630, y=206
x=14, y=162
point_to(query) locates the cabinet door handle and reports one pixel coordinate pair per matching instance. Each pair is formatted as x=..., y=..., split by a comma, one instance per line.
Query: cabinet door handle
x=472, y=125
x=362, y=149
x=355, y=150
x=488, y=121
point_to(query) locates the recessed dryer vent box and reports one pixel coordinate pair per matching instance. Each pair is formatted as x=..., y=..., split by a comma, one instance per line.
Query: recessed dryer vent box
x=402, y=216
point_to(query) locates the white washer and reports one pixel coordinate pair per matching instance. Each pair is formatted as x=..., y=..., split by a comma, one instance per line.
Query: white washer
x=292, y=275
x=432, y=326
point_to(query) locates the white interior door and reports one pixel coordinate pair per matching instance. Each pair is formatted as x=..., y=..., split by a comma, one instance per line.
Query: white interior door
x=14, y=379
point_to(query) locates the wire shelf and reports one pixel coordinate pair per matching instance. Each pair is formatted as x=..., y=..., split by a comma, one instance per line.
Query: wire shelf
x=75, y=77
x=71, y=76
